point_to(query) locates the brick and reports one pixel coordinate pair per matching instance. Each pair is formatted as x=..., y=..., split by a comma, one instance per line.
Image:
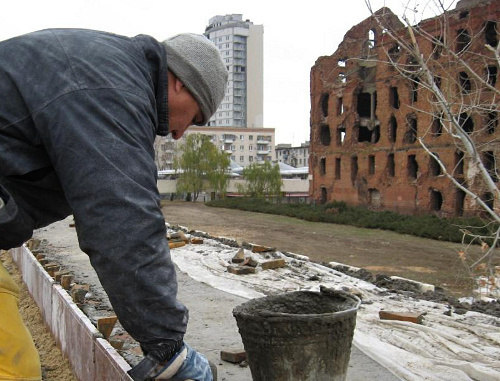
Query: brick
x=105, y=325
x=250, y=261
x=51, y=269
x=66, y=281
x=117, y=344
x=240, y=270
x=261, y=249
x=234, y=357
x=58, y=275
x=239, y=257
x=273, y=264
x=412, y=317
x=78, y=292
x=178, y=236
x=44, y=261
x=173, y=245
x=196, y=240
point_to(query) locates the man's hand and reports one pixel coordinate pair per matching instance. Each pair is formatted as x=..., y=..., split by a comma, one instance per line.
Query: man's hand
x=186, y=364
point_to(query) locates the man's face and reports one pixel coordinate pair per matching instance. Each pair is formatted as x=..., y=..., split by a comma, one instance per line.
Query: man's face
x=183, y=110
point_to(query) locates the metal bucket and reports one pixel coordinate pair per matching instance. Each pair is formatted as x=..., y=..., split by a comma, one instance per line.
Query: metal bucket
x=298, y=336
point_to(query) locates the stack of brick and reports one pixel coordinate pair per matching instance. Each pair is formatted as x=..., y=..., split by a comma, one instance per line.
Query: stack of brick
x=179, y=239
x=246, y=262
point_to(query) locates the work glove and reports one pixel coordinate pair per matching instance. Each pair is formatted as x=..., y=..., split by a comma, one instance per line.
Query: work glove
x=186, y=364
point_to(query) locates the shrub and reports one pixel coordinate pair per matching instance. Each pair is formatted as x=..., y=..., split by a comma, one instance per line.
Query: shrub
x=426, y=226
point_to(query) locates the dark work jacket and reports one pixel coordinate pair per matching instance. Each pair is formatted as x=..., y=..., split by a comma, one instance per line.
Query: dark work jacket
x=79, y=112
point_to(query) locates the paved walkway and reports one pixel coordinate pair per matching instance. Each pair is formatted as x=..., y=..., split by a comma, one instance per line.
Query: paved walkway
x=212, y=328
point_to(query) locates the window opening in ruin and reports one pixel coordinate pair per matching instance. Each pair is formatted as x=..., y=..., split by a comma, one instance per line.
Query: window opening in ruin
x=340, y=106
x=324, y=104
x=459, y=202
x=324, y=135
x=412, y=166
x=491, y=75
x=337, y=168
x=412, y=63
x=394, y=51
x=324, y=196
x=371, y=164
x=437, y=46
x=363, y=106
x=371, y=39
x=366, y=105
x=393, y=128
x=322, y=166
x=374, y=198
x=367, y=74
x=437, y=124
x=368, y=134
x=491, y=122
x=391, y=165
x=490, y=33
x=466, y=122
x=463, y=40
x=434, y=167
x=342, y=78
x=342, y=62
x=459, y=163
x=411, y=134
x=394, y=97
x=490, y=164
x=436, y=201
x=487, y=197
x=340, y=135
x=354, y=169
x=464, y=14
x=437, y=81
x=415, y=81
x=465, y=83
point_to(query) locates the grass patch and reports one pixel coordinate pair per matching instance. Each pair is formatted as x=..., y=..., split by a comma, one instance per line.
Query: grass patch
x=426, y=226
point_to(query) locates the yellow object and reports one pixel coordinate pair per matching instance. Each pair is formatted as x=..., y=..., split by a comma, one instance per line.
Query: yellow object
x=19, y=358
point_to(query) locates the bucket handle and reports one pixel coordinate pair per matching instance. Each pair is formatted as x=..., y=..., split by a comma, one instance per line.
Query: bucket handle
x=331, y=291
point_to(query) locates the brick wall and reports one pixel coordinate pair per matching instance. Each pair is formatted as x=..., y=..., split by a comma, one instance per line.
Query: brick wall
x=366, y=118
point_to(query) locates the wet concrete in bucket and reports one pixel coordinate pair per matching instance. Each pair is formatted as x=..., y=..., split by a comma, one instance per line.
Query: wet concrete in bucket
x=300, y=335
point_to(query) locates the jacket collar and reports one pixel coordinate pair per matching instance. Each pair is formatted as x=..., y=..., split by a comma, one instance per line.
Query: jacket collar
x=156, y=56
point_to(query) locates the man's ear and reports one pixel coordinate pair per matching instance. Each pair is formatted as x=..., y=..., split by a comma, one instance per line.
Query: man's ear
x=178, y=85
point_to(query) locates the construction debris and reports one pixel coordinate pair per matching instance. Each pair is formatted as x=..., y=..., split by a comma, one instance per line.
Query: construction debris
x=234, y=357
x=273, y=264
x=239, y=257
x=412, y=317
x=240, y=270
x=173, y=245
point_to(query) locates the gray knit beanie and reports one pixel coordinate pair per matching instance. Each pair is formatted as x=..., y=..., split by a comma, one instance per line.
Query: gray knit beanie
x=196, y=61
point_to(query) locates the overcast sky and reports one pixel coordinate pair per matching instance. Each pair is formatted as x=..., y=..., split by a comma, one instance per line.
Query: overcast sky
x=296, y=33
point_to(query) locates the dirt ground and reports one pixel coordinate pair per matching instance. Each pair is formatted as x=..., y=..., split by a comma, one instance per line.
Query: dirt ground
x=380, y=252
x=54, y=366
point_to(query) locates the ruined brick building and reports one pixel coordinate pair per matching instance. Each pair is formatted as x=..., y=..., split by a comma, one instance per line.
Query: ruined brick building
x=366, y=118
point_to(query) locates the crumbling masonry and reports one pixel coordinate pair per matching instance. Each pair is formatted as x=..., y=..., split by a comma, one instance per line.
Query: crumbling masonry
x=366, y=117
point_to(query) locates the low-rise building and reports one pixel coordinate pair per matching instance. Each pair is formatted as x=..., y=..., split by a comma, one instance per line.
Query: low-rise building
x=244, y=145
x=295, y=156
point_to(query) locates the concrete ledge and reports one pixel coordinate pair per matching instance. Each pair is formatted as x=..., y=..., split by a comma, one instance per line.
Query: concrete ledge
x=91, y=357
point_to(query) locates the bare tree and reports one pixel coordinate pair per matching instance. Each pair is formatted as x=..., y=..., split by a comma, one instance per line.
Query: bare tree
x=452, y=60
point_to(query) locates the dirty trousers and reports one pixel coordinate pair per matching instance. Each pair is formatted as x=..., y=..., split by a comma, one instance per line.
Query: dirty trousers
x=19, y=358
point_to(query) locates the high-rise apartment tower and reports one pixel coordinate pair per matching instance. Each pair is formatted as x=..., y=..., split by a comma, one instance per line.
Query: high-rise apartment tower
x=241, y=46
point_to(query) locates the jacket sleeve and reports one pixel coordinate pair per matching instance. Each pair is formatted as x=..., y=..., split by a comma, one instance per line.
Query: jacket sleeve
x=101, y=145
